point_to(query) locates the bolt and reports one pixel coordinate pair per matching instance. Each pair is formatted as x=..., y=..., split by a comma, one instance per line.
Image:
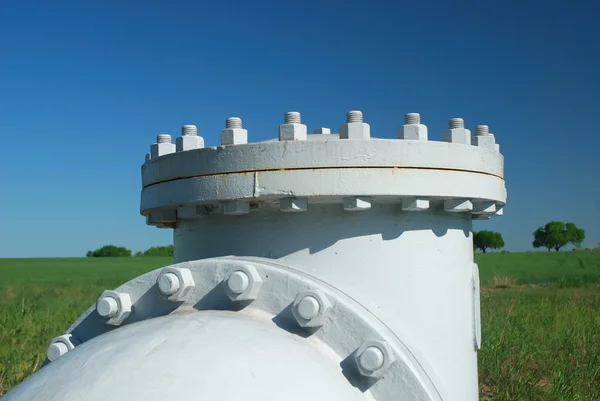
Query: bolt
x=482, y=130
x=308, y=307
x=188, y=130
x=292, y=117
x=107, y=307
x=174, y=283
x=456, y=123
x=233, y=122
x=168, y=284
x=371, y=359
x=242, y=283
x=114, y=306
x=412, y=118
x=354, y=116
x=163, y=138
x=56, y=350
x=238, y=282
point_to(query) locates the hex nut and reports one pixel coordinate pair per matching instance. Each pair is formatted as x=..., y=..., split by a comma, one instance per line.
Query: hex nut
x=234, y=208
x=355, y=130
x=458, y=205
x=293, y=205
x=59, y=346
x=234, y=136
x=188, y=142
x=415, y=132
x=357, y=203
x=303, y=307
x=161, y=217
x=373, y=358
x=105, y=308
x=185, y=282
x=484, y=141
x=414, y=204
x=457, y=135
x=249, y=286
x=163, y=146
x=292, y=132
x=485, y=208
x=322, y=131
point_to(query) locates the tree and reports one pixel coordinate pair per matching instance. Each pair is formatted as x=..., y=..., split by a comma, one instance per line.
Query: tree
x=109, y=251
x=89, y=254
x=557, y=234
x=157, y=251
x=487, y=239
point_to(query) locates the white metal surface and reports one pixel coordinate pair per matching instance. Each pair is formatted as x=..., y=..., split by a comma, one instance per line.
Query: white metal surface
x=353, y=274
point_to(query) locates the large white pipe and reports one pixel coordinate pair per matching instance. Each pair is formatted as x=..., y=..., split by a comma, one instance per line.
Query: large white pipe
x=352, y=253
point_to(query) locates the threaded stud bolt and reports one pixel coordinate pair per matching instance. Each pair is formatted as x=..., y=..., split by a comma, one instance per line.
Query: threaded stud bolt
x=354, y=116
x=238, y=282
x=371, y=359
x=168, y=284
x=292, y=117
x=107, y=307
x=412, y=118
x=233, y=122
x=482, y=130
x=189, y=130
x=163, y=138
x=456, y=123
x=308, y=308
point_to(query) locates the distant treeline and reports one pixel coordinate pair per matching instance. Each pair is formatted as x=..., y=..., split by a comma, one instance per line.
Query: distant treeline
x=119, y=251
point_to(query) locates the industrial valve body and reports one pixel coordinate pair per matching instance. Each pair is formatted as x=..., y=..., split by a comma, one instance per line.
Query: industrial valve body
x=323, y=266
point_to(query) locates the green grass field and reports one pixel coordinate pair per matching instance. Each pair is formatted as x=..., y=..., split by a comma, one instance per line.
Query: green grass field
x=540, y=316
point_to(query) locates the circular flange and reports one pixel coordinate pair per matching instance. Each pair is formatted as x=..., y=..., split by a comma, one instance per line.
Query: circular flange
x=346, y=326
x=339, y=153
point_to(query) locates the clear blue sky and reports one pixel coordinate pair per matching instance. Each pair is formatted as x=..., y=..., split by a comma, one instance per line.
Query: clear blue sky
x=85, y=87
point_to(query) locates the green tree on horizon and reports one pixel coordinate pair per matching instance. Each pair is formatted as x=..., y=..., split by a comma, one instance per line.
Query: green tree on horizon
x=487, y=239
x=157, y=251
x=556, y=234
x=109, y=251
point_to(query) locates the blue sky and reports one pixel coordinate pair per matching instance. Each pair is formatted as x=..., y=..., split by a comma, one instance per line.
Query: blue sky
x=86, y=86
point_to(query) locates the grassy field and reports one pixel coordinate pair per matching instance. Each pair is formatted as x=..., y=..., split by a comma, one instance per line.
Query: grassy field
x=540, y=316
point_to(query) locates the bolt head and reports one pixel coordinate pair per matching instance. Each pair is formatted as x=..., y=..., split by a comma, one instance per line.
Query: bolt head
x=292, y=132
x=293, y=205
x=168, y=283
x=415, y=204
x=458, y=205
x=355, y=131
x=234, y=208
x=373, y=358
x=310, y=308
x=105, y=307
x=238, y=282
x=357, y=204
x=175, y=277
x=236, y=273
